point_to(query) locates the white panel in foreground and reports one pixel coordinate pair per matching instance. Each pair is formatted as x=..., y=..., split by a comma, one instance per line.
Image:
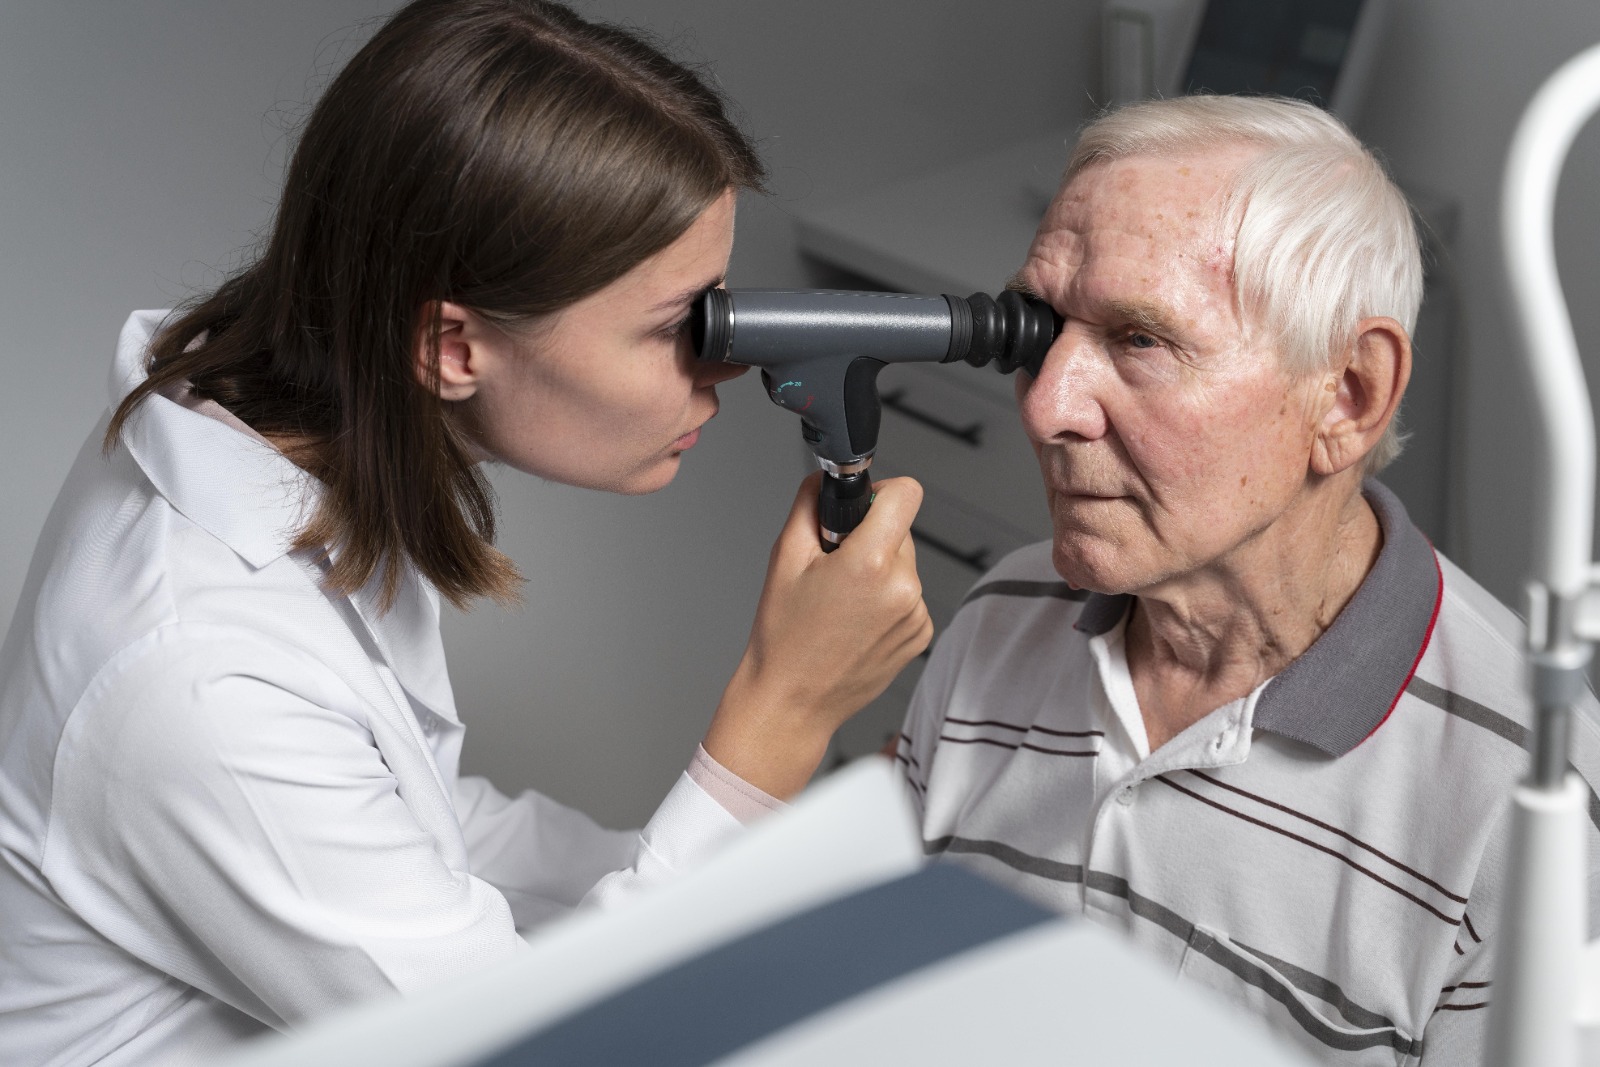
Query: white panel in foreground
x=850, y=831
x=1064, y=992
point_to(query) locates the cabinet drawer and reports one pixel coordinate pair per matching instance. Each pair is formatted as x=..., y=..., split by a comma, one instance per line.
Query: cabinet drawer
x=942, y=430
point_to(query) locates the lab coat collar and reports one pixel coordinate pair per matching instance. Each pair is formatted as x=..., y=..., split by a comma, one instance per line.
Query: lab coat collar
x=1342, y=689
x=240, y=490
x=250, y=497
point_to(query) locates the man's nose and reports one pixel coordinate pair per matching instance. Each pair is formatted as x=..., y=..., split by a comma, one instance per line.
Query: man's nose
x=1063, y=402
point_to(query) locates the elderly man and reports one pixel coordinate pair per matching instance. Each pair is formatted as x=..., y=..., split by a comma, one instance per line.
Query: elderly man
x=1237, y=706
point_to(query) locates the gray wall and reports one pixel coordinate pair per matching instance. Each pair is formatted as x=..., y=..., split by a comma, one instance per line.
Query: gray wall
x=143, y=144
x=1453, y=79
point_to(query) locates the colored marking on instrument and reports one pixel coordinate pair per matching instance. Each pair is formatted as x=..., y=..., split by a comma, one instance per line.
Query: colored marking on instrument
x=809, y=401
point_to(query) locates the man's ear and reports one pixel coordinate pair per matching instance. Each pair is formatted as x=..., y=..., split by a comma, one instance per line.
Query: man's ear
x=460, y=343
x=1366, y=388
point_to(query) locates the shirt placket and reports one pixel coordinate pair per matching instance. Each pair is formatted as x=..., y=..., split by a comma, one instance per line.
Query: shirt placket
x=1220, y=739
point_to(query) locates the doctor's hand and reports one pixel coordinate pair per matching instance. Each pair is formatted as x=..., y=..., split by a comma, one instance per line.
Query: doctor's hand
x=832, y=630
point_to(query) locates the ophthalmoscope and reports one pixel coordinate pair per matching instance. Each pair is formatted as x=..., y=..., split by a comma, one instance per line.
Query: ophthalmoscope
x=820, y=351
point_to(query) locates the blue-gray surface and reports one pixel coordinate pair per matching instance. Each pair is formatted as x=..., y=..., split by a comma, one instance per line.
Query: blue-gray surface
x=734, y=995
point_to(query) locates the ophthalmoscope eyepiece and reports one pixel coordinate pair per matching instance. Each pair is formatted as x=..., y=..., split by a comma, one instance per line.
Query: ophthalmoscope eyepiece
x=820, y=351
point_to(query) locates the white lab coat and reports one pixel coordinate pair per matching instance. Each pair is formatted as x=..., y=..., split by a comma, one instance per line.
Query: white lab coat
x=230, y=801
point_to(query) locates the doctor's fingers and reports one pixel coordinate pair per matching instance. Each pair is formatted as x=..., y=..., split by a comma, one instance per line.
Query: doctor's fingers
x=885, y=531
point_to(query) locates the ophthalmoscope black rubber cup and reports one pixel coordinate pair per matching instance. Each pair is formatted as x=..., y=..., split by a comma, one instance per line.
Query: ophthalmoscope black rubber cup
x=1013, y=332
x=841, y=505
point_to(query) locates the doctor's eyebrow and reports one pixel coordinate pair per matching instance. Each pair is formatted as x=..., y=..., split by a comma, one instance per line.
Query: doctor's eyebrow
x=689, y=295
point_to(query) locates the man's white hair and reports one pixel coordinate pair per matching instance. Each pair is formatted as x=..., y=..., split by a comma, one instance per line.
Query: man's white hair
x=1322, y=237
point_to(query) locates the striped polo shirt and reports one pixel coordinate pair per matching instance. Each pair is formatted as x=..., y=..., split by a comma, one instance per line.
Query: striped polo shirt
x=1328, y=851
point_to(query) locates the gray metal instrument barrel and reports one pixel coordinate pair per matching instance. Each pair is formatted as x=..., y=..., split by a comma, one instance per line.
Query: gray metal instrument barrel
x=820, y=351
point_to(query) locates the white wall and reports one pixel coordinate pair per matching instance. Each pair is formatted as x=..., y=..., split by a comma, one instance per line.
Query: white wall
x=142, y=148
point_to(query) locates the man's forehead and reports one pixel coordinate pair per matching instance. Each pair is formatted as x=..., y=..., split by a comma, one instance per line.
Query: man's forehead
x=1140, y=241
x=1168, y=210
x=1167, y=194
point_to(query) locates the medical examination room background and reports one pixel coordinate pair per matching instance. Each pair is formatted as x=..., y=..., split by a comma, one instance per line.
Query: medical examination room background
x=141, y=144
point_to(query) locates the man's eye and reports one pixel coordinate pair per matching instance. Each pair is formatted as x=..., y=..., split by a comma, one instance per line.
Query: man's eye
x=675, y=330
x=1140, y=339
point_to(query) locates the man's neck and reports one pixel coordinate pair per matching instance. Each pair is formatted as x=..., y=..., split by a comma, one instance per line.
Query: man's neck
x=1213, y=636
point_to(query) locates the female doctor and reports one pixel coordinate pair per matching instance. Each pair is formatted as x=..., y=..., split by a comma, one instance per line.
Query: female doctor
x=228, y=747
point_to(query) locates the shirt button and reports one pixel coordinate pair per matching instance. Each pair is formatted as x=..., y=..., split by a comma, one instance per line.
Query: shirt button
x=1125, y=795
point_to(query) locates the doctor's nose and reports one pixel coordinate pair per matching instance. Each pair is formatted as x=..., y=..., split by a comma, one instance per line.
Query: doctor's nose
x=1062, y=402
x=713, y=372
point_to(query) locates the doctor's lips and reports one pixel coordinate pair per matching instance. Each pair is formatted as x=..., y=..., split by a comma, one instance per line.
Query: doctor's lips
x=687, y=441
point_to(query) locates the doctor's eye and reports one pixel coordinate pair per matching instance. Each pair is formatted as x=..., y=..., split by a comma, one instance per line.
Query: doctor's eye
x=674, y=330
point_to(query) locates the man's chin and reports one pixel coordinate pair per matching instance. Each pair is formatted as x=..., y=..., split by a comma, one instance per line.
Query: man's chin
x=1097, y=567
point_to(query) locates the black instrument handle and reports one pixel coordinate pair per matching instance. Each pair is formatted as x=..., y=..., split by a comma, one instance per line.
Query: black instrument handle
x=841, y=505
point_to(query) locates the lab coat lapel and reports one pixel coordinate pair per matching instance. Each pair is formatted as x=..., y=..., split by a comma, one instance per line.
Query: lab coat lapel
x=395, y=729
x=407, y=637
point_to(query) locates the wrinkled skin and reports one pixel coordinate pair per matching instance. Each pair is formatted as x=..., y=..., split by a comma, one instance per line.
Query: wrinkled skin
x=1182, y=462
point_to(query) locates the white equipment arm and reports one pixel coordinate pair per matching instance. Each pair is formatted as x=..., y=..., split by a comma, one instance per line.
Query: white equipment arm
x=1533, y=1015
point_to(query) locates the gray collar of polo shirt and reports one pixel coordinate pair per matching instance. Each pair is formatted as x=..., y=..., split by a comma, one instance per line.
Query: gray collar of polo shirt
x=1343, y=687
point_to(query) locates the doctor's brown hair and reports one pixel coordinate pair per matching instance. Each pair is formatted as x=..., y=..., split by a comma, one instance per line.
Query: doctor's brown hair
x=505, y=155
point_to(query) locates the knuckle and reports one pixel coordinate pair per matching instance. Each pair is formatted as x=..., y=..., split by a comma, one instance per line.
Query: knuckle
x=876, y=560
x=903, y=488
x=905, y=595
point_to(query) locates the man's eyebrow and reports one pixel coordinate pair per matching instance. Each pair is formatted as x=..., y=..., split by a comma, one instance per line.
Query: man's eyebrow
x=1015, y=284
x=687, y=296
x=1138, y=314
x=1141, y=315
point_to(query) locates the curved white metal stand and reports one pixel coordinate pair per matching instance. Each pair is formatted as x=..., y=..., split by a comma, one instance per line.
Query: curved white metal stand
x=1528, y=199
x=1534, y=999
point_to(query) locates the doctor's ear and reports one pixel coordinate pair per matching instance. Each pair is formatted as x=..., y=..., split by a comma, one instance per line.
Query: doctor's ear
x=461, y=349
x=1364, y=389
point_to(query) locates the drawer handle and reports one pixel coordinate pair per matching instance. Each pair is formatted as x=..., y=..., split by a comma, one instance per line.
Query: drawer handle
x=971, y=435
x=977, y=559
